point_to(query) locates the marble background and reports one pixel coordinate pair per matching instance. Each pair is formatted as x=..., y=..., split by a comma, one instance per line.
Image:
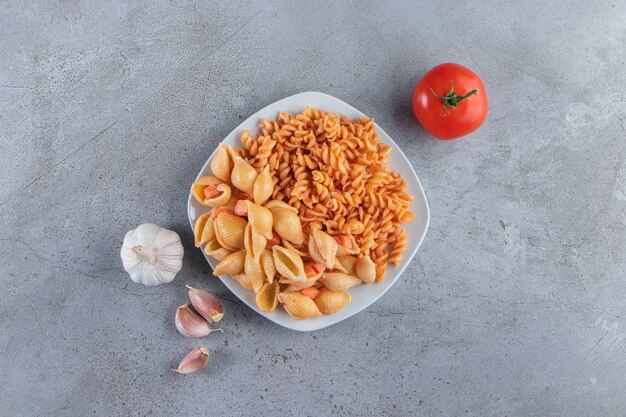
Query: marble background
x=514, y=305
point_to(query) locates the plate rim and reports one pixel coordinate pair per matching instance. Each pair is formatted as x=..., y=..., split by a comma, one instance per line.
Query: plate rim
x=294, y=324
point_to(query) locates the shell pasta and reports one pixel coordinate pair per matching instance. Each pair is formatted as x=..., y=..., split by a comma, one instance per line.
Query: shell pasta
x=304, y=211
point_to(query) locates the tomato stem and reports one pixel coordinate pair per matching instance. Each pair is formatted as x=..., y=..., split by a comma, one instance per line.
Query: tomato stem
x=452, y=99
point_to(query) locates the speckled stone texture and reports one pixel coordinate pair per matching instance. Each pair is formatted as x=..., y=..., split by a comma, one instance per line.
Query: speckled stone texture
x=514, y=305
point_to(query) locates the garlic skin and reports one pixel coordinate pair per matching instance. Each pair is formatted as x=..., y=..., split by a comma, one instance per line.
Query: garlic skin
x=206, y=304
x=152, y=255
x=194, y=361
x=191, y=324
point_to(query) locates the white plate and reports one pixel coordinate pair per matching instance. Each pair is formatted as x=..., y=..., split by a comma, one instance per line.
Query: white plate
x=362, y=295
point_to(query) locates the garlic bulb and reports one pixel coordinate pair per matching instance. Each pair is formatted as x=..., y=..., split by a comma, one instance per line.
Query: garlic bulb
x=151, y=254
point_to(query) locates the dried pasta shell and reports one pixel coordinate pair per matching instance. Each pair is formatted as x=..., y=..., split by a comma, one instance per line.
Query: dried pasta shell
x=231, y=265
x=263, y=186
x=366, y=269
x=303, y=253
x=197, y=188
x=260, y=218
x=208, y=233
x=267, y=262
x=287, y=224
x=299, y=285
x=296, y=288
x=254, y=242
x=220, y=200
x=348, y=264
x=243, y=280
x=230, y=231
x=198, y=229
x=222, y=163
x=215, y=250
x=267, y=297
x=330, y=302
x=298, y=306
x=336, y=281
x=242, y=175
x=230, y=204
x=254, y=271
x=288, y=263
x=353, y=250
x=322, y=248
x=339, y=267
x=280, y=204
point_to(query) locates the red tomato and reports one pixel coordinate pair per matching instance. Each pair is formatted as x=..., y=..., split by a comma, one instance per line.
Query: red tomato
x=450, y=101
x=309, y=271
x=310, y=292
x=313, y=268
x=211, y=191
x=343, y=240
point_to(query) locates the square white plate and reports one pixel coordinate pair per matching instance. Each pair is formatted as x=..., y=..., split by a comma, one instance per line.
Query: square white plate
x=362, y=295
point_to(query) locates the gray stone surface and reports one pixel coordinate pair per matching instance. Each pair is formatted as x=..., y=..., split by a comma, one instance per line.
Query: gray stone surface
x=514, y=306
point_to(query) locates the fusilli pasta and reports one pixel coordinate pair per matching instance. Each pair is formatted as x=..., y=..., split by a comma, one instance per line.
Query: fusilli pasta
x=334, y=171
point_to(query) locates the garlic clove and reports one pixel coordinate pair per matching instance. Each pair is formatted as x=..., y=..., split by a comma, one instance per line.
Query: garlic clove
x=206, y=304
x=191, y=324
x=193, y=361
